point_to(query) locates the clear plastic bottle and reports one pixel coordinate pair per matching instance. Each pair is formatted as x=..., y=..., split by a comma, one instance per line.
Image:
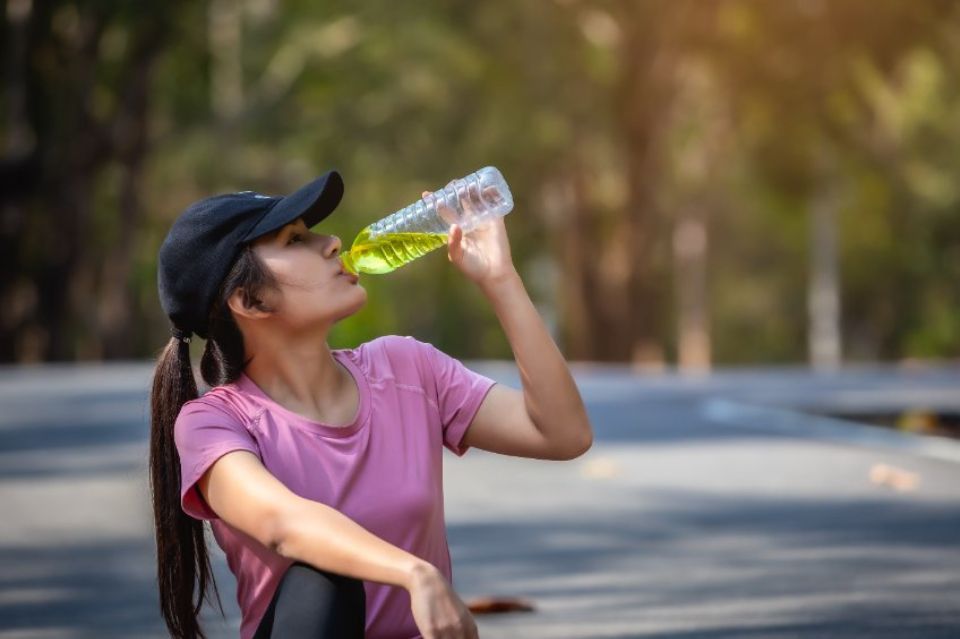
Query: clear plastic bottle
x=423, y=226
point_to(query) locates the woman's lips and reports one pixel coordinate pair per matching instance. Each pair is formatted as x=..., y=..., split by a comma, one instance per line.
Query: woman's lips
x=351, y=276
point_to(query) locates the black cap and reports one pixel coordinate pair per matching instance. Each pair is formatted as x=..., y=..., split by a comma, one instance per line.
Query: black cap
x=206, y=239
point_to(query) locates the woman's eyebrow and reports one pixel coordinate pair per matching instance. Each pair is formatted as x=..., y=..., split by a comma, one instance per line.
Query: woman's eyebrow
x=281, y=234
x=287, y=228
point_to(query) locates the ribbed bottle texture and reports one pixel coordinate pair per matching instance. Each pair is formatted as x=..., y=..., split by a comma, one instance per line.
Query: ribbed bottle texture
x=424, y=225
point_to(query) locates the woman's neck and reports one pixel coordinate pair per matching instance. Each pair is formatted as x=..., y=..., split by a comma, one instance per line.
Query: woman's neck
x=303, y=377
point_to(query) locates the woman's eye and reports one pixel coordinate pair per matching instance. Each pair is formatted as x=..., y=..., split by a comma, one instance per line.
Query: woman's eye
x=296, y=237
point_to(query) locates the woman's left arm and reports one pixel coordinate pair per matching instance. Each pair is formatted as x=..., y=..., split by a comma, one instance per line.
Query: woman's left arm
x=548, y=419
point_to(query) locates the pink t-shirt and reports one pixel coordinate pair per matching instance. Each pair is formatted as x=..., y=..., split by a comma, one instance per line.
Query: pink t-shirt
x=383, y=470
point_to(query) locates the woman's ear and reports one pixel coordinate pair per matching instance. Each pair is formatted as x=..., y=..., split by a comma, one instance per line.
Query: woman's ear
x=243, y=305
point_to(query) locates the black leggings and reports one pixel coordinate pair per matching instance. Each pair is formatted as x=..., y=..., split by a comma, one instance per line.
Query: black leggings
x=314, y=604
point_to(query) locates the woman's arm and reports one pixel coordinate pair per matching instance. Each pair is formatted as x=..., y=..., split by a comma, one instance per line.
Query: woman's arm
x=243, y=493
x=548, y=419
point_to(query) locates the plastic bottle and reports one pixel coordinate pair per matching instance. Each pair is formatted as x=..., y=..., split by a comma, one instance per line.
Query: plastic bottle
x=423, y=226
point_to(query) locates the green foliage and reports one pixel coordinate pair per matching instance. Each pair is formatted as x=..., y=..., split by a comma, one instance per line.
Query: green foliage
x=741, y=110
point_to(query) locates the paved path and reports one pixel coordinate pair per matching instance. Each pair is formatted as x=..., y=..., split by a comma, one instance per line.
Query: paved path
x=707, y=508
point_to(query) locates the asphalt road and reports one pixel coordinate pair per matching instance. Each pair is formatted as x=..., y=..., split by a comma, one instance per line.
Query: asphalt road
x=708, y=507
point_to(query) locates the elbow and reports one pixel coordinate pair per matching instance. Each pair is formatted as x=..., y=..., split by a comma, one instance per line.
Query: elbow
x=584, y=439
x=578, y=445
x=584, y=444
x=278, y=532
x=273, y=534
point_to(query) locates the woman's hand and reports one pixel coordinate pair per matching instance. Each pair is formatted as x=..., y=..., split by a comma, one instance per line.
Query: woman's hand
x=437, y=610
x=483, y=255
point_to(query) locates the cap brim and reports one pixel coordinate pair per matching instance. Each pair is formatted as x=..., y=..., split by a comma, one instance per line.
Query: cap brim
x=313, y=202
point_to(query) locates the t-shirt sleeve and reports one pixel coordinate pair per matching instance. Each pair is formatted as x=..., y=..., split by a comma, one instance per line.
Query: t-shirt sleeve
x=460, y=392
x=203, y=434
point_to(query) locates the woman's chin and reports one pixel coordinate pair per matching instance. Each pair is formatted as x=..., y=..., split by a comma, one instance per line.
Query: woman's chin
x=357, y=305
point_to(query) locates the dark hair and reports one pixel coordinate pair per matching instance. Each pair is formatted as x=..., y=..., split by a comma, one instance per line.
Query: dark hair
x=183, y=563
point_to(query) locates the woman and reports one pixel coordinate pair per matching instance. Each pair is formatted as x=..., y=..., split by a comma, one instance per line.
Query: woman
x=320, y=469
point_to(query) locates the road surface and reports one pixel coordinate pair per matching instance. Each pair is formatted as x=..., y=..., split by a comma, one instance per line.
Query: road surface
x=708, y=507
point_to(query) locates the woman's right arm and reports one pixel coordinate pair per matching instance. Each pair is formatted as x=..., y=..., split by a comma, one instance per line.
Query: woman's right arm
x=243, y=493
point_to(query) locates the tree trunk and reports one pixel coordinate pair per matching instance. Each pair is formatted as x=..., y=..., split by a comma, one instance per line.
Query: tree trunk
x=18, y=172
x=131, y=140
x=225, y=28
x=646, y=91
x=690, y=258
x=70, y=292
x=823, y=296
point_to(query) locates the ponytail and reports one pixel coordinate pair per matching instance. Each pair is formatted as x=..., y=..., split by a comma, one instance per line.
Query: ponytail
x=182, y=558
x=183, y=562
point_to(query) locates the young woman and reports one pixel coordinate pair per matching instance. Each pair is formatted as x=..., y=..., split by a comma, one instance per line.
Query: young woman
x=320, y=469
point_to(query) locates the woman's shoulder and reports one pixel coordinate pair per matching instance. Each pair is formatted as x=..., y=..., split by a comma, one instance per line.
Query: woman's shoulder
x=216, y=419
x=387, y=346
x=226, y=402
x=390, y=356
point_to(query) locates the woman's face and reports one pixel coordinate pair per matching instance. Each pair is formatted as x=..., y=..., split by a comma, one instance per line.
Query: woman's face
x=313, y=287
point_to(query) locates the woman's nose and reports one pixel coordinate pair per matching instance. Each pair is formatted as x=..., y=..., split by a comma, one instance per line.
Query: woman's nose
x=333, y=246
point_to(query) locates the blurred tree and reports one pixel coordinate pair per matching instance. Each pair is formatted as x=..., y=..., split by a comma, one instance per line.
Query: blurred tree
x=694, y=191
x=668, y=160
x=794, y=74
x=79, y=77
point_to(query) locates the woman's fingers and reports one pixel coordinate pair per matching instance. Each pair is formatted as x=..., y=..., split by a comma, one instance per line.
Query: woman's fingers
x=447, y=214
x=454, y=245
x=472, y=201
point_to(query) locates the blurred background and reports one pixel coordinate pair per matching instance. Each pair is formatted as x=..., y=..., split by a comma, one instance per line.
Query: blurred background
x=739, y=218
x=696, y=183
